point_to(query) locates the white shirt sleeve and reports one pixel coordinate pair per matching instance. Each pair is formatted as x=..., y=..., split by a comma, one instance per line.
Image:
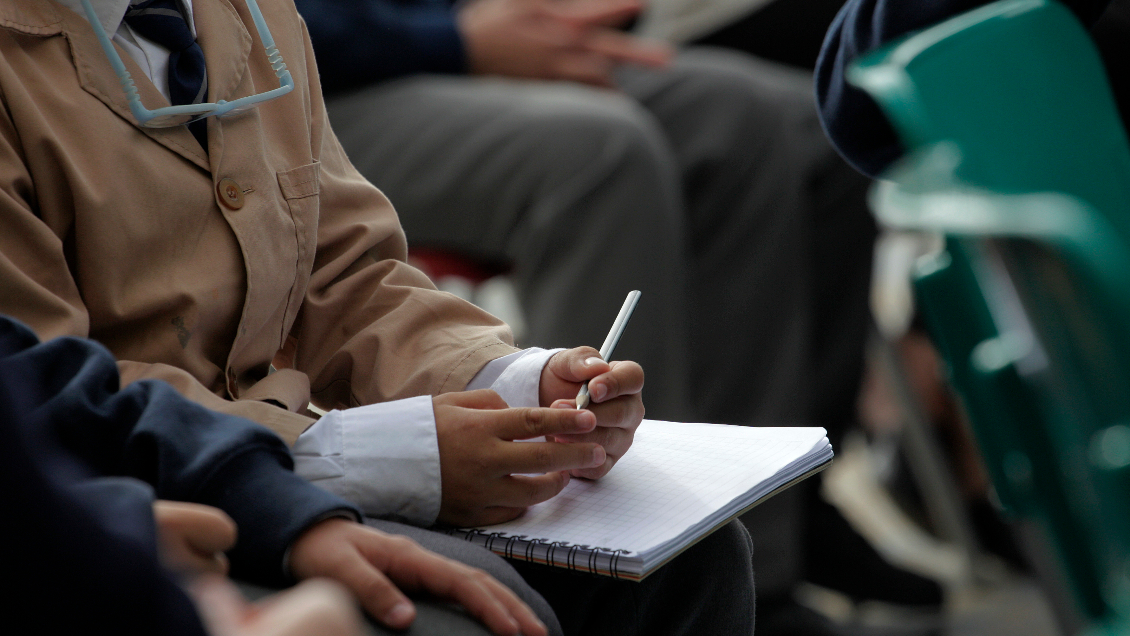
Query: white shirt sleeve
x=382, y=457
x=385, y=457
x=515, y=377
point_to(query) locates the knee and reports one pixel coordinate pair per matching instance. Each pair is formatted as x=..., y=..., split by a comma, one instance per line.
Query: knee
x=579, y=128
x=733, y=544
x=724, y=572
x=721, y=75
x=600, y=156
x=724, y=559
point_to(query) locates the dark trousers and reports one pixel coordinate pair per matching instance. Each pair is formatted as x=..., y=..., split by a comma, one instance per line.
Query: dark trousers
x=708, y=589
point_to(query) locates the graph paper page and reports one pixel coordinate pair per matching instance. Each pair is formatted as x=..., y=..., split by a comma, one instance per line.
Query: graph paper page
x=674, y=476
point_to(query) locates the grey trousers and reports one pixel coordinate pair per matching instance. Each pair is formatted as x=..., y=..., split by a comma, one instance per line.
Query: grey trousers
x=708, y=185
x=706, y=590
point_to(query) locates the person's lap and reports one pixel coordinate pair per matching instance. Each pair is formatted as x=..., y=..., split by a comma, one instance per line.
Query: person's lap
x=433, y=618
x=731, y=187
x=706, y=590
x=473, y=556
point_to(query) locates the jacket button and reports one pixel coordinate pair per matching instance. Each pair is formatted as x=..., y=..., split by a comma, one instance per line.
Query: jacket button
x=230, y=194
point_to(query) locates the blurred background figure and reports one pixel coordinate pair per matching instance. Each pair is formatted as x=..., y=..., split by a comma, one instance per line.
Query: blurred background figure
x=540, y=136
x=701, y=179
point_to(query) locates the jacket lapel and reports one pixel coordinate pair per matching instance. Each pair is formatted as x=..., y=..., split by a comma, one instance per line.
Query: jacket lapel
x=33, y=18
x=222, y=33
x=226, y=45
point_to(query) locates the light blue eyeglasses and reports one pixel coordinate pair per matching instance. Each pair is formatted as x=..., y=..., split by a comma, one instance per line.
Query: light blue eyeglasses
x=170, y=116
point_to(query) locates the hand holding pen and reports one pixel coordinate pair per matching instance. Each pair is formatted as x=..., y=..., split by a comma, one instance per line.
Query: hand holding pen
x=613, y=390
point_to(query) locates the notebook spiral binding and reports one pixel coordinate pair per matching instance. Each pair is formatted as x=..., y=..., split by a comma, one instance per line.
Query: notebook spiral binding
x=576, y=558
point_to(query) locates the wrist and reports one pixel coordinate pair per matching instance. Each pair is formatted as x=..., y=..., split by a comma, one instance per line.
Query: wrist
x=330, y=516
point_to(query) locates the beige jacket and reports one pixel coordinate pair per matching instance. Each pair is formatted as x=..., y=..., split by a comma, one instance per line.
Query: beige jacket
x=195, y=268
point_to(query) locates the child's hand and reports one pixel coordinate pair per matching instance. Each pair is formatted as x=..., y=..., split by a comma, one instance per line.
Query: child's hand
x=372, y=564
x=487, y=476
x=313, y=607
x=614, y=392
x=193, y=537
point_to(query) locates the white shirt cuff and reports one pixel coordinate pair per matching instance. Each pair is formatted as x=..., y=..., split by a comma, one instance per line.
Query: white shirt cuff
x=382, y=457
x=515, y=377
x=385, y=457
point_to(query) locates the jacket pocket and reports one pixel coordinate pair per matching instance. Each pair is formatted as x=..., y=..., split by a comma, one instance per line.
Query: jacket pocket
x=300, y=189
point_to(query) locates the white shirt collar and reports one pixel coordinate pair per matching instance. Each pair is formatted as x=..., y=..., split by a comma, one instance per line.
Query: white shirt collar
x=111, y=12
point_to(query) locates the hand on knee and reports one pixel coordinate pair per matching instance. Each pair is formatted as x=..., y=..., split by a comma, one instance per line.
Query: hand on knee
x=376, y=566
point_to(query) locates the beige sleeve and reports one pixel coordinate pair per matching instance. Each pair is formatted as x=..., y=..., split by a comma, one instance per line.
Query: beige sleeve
x=285, y=424
x=372, y=328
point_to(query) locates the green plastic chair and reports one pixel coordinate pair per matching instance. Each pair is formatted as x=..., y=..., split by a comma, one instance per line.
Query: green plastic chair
x=1018, y=157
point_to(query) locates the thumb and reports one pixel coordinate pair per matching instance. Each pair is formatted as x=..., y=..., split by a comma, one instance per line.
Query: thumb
x=577, y=365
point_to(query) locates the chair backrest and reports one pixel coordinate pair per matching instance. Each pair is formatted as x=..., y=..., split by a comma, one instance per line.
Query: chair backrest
x=1020, y=88
x=1017, y=155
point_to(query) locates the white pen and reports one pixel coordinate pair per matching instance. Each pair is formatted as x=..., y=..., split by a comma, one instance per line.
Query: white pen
x=609, y=345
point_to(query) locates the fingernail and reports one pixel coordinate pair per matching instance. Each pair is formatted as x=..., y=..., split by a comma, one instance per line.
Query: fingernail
x=591, y=361
x=565, y=404
x=598, y=456
x=598, y=391
x=399, y=614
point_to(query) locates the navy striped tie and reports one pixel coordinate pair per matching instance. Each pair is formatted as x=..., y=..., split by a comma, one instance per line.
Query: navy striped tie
x=163, y=22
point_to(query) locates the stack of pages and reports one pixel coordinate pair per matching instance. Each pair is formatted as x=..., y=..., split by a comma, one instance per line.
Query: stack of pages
x=677, y=484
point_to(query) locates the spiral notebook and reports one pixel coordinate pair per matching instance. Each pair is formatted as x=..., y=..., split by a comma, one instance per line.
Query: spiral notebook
x=677, y=484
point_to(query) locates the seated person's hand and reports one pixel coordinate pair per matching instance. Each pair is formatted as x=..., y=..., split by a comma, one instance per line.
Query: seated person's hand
x=614, y=393
x=193, y=537
x=487, y=476
x=317, y=606
x=372, y=564
x=572, y=40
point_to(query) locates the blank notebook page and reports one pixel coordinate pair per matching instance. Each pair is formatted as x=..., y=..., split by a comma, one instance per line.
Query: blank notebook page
x=673, y=476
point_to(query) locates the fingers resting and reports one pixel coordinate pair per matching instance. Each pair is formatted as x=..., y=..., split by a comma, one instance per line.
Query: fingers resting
x=193, y=537
x=547, y=457
x=529, y=423
x=417, y=569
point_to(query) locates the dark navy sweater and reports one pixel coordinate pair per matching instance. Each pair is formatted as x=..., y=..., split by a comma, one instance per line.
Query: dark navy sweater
x=358, y=42
x=66, y=426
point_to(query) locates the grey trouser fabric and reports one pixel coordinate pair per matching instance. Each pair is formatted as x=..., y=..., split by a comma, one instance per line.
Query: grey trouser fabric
x=708, y=185
x=447, y=619
x=706, y=590
x=433, y=618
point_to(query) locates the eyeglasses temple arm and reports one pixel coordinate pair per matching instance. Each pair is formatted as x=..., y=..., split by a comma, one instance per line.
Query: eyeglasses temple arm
x=286, y=82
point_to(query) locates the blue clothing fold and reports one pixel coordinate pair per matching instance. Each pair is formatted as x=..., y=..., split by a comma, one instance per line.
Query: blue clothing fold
x=81, y=551
x=67, y=389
